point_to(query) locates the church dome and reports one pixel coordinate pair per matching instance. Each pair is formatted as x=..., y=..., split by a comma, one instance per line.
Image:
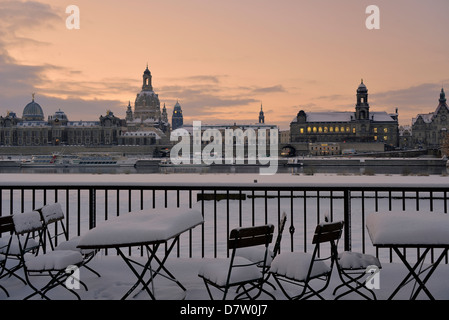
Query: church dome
x=33, y=112
x=362, y=88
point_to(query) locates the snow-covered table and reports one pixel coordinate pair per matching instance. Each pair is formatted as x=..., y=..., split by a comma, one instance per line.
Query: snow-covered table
x=425, y=230
x=148, y=228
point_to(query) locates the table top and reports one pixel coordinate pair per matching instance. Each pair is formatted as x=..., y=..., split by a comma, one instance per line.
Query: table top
x=141, y=227
x=408, y=229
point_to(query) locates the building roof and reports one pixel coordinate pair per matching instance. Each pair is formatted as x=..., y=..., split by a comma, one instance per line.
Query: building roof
x=428, y=117
x=381, y=116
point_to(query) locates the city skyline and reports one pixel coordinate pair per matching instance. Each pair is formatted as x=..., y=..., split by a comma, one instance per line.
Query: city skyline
x=222, y=60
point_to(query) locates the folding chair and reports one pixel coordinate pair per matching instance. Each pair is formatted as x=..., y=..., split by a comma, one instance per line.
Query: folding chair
x=6, y=226
x=301, y=268
x=53, y=264
x=255, y=254
x=238, y=271
x=52, y=214
x=352, y=267
x=11, y=250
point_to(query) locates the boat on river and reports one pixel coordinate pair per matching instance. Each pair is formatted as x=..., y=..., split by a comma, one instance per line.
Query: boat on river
x=77, y=160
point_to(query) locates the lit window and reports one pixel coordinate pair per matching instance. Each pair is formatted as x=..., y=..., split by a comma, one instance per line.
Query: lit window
x=309, y=129
x=375, y=138
x=301, y=130
x=331, y=129
x=347, y=129
x=353, y=130
x=320, y=129
x=337, y=129
x=325, y=129
x=375, y=130
x=314, y=129
x=385, y=130
x=385, y=138
x=342, y=129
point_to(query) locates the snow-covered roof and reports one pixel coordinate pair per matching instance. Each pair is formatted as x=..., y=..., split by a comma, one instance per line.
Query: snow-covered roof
x=428, y=117
x=83, y=123
x=139, y=134
x=380, y=116
x=32, y=124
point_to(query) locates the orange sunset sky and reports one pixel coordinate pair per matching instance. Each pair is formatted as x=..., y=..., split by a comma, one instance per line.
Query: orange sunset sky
x=222, y=59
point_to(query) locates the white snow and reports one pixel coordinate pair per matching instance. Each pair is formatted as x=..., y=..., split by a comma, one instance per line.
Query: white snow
x=200, y=180
x=142, y=227
x=295, y=265
x=27, y=221
x=53, y=260
x=411, y=228
x=52, y=212
x=357, y=260
x=217, y=271
x=116, y=278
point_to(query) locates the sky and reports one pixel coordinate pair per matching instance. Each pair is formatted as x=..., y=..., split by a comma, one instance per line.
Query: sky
x=222, y=60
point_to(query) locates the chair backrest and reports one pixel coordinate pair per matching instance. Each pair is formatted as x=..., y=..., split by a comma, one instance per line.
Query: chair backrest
x=250, y=236
x=27, y=222
x=328, y=232
x=277, y=245
x=29, y=225
x=6, y=225
x=52, y=214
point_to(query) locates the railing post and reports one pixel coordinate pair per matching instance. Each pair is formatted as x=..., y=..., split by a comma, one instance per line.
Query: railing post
x=347, y=218
x=92, y=208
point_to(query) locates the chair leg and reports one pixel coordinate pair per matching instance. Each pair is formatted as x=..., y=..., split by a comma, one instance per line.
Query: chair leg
x=4, y=289
x=89, y=257
x=356, y=289
x=53, y=283
x=255, y=286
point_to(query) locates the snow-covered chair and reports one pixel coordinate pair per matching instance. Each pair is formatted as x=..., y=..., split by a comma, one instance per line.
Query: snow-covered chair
x=255, y=254
x=13, y=247
x=54, y=263
x=352, y=267
x=300, y=269
x=52, y=215
x=238, y=271
x=6, y=226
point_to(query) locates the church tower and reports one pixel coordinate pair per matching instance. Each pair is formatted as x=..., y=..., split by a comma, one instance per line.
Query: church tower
x=147, y=105
x=146, y=86
x=442, y=97
x=164, y=114
x=362, y=106
x=261, y=115
x=177, y=120
x=129, y=112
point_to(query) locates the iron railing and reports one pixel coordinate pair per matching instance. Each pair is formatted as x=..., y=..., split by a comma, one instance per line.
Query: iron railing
x=227, y=206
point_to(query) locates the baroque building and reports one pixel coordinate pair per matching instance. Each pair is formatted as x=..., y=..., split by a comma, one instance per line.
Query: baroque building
x=362, y=125
x=32, y=130
x=146, y=125
x=429, y=130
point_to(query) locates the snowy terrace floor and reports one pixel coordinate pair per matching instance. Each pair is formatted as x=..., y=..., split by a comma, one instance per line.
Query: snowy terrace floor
x=116, y=279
